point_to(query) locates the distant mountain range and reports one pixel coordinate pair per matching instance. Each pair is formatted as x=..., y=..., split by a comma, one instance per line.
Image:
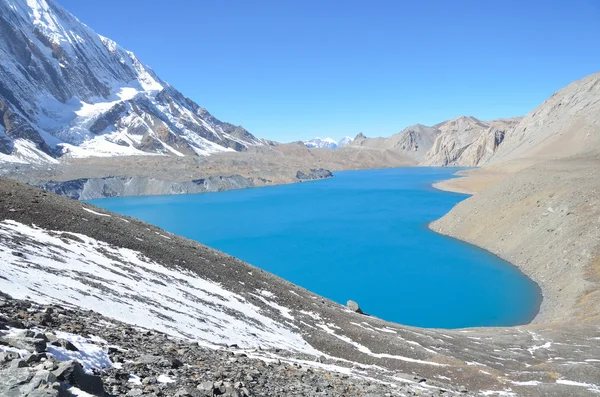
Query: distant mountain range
x=463, y=141
x=328, y=143
x=67, y=91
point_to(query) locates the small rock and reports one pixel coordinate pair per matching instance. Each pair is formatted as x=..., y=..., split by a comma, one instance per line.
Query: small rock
x=8, y=356
x=34, y=358
x=68, y=345
x=19, y=363
x=15, y=324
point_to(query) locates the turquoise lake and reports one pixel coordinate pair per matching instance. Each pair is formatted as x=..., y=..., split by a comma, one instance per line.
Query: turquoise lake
x=361, y=235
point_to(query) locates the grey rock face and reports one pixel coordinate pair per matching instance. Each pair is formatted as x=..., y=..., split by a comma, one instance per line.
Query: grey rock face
x=88, y=189
x=467, y=141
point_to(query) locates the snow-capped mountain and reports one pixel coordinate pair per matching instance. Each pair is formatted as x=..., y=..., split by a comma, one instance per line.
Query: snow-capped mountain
x=345, y=141
x=328, y=143
x=65, y=90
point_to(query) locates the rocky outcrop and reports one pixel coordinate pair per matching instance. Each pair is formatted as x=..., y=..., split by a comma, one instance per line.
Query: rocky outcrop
x=313, y=174
x=30, y=369
x=467, y=141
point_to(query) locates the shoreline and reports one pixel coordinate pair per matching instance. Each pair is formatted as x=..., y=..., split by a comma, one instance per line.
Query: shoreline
x=539, y=295
x=470, y=181
x=447, y=186
x=541, y=220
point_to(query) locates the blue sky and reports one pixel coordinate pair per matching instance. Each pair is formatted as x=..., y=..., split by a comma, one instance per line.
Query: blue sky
x=290, y=70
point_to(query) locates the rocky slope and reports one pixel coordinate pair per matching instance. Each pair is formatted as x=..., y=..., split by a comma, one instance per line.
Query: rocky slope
x=566, y=124
x=467, y=141
x=137, y=278
x=67, y=91
x=464, y=141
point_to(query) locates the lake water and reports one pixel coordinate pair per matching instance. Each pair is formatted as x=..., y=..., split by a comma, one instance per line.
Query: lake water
x=361, y=235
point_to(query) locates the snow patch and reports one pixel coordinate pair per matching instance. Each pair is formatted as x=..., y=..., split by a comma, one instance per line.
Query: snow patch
x=90, y=355
x=125, y=285
x=94, y=212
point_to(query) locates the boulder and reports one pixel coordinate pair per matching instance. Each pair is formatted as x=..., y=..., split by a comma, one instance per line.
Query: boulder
x=24, y=381
x=72, y=372
x=33, y=345
x=354, y=307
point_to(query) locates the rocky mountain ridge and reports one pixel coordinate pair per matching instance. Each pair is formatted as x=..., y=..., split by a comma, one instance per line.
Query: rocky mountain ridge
x=413, y=142
x=67, y=91
x=566, y=124
x=463, y=141
x=467, y=141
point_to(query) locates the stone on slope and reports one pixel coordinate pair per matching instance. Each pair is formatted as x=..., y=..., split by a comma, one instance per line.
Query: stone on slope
x=354, y=307
x=72, y=372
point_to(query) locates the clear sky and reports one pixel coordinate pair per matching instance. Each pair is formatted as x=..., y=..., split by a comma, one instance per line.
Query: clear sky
x=295, y=69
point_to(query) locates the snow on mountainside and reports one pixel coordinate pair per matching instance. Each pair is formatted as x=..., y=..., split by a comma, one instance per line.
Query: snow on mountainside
x=328, y=143
x=137, y=288
x=345, y=141
x=65, y=90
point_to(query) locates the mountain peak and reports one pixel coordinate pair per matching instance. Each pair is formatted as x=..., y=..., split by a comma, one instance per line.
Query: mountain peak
x=67, y=91
x=327, y=143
